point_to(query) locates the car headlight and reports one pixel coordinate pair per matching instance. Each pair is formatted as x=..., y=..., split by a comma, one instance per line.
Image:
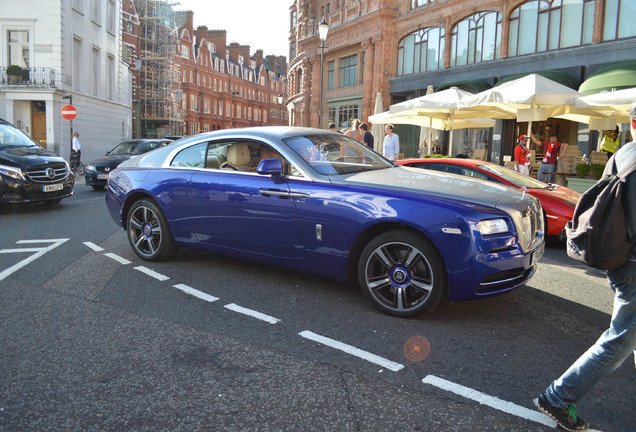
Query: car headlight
x=13, y=172
x=91, y=167
x=492, y=226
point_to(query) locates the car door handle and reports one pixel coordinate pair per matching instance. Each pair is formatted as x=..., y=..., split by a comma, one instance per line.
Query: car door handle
x=282, y=193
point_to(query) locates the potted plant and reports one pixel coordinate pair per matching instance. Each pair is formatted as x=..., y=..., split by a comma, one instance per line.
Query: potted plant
x=586, y=176
x=14, y=72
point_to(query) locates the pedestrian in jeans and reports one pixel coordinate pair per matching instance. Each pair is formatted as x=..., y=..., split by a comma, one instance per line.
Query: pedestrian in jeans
x=551, y=153
x=619, y=340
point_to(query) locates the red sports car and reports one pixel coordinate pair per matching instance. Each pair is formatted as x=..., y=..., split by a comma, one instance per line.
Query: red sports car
x=558, y=202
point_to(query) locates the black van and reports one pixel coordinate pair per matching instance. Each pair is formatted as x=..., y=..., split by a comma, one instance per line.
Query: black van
x=28, y=172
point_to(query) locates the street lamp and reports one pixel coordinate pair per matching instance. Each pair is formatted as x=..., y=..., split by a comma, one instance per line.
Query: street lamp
x=280, y=112
x=323, y=29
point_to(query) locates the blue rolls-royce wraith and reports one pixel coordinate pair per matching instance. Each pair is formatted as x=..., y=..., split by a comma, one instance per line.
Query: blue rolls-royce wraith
x=319, y=202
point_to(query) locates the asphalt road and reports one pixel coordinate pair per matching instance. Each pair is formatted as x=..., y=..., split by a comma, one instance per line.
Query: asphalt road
x=94, y=339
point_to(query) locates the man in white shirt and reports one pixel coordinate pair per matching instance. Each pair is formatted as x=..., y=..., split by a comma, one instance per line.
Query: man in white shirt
x=391, y=144
x=77, y=146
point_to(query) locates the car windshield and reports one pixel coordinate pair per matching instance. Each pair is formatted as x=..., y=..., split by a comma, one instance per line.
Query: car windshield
x=335, y=154
x=513, y=177
x=13, y=137
x=134, y=147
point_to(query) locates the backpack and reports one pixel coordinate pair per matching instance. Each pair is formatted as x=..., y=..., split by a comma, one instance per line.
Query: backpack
x=597, y=235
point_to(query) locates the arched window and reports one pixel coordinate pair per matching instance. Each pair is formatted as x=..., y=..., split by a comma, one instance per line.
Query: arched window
x=618, y=23
x=476, y=39
x=421, y=51
x=543, y=25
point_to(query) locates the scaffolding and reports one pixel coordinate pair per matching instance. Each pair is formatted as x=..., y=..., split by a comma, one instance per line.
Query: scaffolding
x=158, y=80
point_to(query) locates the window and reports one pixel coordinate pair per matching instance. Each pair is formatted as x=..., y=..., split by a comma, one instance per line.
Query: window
x=192, y=157
x=292, y=50
x=96, y=11
x=77, y=65
x=110, y=84
x=542, y=25
x=343, y=113
x=293, y=20
x=418, y=3
x=476, y=39
x=18, y=48
x=618, y=22
x=95, y=71
x=348, y=71
x=331, y=66
x=421, y=51
x=112, y=16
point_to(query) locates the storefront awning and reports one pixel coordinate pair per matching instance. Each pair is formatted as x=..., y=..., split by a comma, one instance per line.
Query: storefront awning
x=473, y=86
x=611, y=78
x=561, y=77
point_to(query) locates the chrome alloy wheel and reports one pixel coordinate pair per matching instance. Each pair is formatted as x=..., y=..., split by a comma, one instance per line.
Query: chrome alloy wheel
x=148, y=231
x=399, y=278
x=144, y=230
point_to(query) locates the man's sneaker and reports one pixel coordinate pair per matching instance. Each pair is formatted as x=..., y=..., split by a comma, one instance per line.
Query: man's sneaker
x=565, y=417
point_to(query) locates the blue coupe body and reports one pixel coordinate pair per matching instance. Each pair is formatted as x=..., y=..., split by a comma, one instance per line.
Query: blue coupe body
x=322, y=203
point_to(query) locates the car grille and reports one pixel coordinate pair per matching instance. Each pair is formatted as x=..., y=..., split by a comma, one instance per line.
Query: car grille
x=51, y=173
x=531, y=229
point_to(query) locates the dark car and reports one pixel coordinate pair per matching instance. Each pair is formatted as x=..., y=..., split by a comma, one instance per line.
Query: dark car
x=319, y=202
x=28, y=172
x=97, y=170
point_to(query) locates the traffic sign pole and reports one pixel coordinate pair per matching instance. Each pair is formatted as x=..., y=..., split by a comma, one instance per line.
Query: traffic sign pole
x=69, y=113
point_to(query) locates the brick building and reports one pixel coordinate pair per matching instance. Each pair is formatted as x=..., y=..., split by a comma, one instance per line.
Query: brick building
x=189, y=80
x=400, y=47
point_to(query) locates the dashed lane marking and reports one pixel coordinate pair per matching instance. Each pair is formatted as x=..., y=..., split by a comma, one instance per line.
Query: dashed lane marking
x=491, y=401
x=196, y=293
x=38, y=253
x=117, y=258
x=93, y=246
x=252, y=313
x=392, y=366
x=152, y=273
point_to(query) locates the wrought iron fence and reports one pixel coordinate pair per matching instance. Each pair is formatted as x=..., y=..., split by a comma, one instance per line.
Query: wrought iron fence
x=30, y=77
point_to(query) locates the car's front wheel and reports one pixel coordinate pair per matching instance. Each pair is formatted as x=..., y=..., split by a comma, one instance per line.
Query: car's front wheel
x=402, y=273
x=148, y=231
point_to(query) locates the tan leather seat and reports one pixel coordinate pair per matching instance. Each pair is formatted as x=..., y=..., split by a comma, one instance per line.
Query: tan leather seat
x=238, y=157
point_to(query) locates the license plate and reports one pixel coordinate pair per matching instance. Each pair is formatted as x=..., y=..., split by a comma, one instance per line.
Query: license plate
x=536, y=255
x=53, y=187
x=102, y=176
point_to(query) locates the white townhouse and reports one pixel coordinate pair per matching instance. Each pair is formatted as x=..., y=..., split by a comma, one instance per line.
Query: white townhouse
x=55, y=50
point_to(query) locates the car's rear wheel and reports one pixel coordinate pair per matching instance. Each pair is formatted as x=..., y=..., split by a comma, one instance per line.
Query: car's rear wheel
x=148, y=231
x=402, y=273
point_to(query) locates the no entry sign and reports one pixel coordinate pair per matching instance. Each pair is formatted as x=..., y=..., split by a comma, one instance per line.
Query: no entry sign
x=69, y=112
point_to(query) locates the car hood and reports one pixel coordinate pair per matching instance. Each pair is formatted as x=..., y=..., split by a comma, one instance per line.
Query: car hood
x=27, y=156
x=559, y=193
x=112, y=160
x=442, y=185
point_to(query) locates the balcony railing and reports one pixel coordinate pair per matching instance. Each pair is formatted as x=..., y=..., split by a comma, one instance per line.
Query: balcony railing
x=28, y=77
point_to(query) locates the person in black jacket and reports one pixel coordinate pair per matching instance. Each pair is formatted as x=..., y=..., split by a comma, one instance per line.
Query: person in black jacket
x=367, y=137
x=619, y=341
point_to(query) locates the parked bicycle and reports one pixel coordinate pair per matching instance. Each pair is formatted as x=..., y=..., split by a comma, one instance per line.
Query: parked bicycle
x=77, y=167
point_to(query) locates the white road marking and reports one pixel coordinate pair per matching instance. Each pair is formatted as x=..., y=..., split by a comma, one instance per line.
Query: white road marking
x=93, y=246
x=38, y=253
x=491, y=401
x=352, y=350
x=152, y=273
x=117, y=258
x=252, y=313
x=196, y=293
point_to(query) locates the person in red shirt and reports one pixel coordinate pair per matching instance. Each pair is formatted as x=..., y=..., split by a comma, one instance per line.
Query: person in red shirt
x=522, y=156
x=551, y=153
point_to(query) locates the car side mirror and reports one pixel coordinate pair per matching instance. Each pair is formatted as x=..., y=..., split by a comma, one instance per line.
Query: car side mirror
x=107, y=153
x=271, y=166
